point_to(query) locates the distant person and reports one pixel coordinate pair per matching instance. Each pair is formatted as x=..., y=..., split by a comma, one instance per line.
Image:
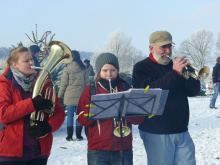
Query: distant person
x=216, y=83
x=89, y=67
x=166, y=137
x=122, y=74
x=74, y=79
x=35, y=52
x=20, y=143
x=128, y=79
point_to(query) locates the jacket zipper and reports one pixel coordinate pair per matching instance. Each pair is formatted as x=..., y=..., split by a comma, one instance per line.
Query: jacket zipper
x=92, y=128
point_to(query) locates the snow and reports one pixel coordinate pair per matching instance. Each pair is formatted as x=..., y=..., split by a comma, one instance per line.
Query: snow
x=204, y=128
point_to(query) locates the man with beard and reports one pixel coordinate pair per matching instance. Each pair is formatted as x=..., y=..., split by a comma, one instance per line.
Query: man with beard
x=166, y=137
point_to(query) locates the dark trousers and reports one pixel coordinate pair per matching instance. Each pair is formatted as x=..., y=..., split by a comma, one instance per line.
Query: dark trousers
x=95, y=157
x=30, y=162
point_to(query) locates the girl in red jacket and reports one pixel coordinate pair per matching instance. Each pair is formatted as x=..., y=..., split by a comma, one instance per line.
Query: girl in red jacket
x=103, y=146
x=20, y=143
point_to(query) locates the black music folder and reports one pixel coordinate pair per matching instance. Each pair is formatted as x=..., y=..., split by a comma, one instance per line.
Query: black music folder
x=134, y=102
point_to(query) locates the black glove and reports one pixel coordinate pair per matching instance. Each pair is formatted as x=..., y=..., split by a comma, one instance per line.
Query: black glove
x=41, y=129
x=42, y=104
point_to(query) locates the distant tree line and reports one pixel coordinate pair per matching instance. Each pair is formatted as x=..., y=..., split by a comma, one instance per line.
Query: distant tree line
x=199, y=48
x=4, y=52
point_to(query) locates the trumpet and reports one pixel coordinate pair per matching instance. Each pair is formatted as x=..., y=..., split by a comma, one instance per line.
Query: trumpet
x=189, y=70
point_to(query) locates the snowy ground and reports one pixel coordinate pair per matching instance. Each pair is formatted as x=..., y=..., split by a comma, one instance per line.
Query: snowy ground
x=204, y=128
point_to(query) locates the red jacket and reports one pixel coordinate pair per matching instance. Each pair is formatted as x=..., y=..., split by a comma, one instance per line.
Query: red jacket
x=100, y=132
x=12, y=111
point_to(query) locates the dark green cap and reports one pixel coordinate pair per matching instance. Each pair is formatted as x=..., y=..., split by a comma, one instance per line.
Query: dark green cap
x=105, y=58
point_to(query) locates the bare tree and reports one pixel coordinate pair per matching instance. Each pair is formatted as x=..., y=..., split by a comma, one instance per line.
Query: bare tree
x=136, y=56
x=120, y=45
x=175, y=53
x=94, y=56
x=198, y=48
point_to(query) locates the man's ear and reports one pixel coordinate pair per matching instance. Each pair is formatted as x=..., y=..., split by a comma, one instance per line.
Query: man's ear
x=151, y=48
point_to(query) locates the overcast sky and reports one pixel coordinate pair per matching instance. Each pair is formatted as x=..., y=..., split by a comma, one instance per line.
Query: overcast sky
x=86, y=24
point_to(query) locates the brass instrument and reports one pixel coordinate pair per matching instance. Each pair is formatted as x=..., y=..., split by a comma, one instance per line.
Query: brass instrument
x=44, y=86
x=202, y=73
x=125, y=129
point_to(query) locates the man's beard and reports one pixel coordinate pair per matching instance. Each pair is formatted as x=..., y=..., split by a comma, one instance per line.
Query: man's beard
x=160, y=60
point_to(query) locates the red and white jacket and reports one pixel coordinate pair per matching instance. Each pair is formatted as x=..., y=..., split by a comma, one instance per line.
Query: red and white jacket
x=12, y=111
x=100, y=132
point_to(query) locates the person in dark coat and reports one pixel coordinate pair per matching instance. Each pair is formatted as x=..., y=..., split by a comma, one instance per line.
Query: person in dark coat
x=128, y=79
x=89, y=67
x=122, y=74
x=216, y=83
x=35, y=52
x=166, y=137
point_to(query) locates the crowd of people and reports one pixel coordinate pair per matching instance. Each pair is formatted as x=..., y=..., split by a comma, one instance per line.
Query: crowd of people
x=165, y=137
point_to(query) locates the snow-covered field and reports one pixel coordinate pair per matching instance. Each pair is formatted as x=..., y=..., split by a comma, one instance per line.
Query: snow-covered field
x=204, y=128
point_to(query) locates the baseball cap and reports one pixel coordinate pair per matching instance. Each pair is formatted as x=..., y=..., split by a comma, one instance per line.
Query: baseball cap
x=161, y=38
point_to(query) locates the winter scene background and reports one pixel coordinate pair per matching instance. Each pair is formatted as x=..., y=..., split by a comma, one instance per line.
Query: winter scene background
x=122, y=28
x=204, y=128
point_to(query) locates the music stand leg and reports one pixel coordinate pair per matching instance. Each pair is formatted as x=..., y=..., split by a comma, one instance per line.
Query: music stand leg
x=122, y=149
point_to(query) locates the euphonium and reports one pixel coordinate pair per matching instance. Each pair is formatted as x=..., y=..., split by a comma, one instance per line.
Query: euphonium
x=202, y=73
x=44, y=86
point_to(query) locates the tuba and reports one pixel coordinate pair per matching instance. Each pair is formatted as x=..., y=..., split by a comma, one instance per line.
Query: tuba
x=202, y=73
x=44, y=86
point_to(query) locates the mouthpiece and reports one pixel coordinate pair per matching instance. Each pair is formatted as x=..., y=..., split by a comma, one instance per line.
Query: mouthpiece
x=110, y=85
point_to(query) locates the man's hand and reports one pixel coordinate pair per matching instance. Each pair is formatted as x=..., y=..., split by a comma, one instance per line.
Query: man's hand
x=180, y=63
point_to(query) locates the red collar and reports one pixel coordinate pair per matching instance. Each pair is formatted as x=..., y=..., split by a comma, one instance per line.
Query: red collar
x=152, y=58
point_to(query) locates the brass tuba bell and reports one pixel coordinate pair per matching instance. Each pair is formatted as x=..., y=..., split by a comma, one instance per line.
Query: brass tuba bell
x=44, y=86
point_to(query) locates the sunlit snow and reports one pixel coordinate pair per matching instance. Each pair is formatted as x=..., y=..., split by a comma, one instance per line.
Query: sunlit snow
x=204, y=127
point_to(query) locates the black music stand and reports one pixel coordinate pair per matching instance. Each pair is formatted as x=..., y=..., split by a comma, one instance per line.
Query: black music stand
x=131, y=103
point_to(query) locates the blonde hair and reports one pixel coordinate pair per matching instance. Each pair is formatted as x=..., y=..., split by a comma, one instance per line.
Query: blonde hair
x=14, y=55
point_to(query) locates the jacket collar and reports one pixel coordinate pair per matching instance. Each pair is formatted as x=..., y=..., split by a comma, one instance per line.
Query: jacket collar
x=8, y=76
x=152, y=58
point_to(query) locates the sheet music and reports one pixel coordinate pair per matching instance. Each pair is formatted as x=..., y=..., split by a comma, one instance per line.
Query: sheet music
x=136, y=103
